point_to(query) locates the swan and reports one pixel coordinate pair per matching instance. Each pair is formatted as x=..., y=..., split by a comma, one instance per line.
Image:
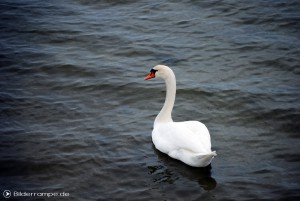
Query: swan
x=187, y=141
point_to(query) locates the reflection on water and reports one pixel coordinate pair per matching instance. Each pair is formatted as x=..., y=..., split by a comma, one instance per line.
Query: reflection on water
x=167, y=173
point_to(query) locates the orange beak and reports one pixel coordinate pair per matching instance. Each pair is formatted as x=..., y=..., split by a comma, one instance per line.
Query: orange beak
x=150, y=76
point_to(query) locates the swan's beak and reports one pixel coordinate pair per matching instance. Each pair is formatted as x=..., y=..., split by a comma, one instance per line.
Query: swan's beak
x=150, y=76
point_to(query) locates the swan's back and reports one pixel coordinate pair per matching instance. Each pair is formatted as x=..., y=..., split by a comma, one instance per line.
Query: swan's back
x=189, y=135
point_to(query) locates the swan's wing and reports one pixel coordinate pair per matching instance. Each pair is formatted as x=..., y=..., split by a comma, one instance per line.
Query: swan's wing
x=200, y=131
x=189, y=135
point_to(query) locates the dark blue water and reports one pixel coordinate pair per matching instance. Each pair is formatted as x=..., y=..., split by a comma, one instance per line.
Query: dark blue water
x=76, y=114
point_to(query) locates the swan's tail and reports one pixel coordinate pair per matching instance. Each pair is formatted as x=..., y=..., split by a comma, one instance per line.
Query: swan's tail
x=204, y=160
x=213, y=153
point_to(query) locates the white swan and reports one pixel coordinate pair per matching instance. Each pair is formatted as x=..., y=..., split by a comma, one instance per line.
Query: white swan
x=187, y=141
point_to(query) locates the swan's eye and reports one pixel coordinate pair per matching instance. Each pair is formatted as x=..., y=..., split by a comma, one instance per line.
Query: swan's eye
x=153, y=71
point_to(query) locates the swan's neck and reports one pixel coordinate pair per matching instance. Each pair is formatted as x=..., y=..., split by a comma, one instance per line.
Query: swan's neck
x=165, y=115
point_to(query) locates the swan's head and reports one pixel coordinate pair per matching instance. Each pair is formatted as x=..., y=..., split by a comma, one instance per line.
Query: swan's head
x=159, y=71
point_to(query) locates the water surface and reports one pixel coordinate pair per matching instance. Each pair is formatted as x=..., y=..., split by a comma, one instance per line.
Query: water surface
x=76, y=114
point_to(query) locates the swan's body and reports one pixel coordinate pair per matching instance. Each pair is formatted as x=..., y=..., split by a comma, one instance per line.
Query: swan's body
x=187, y=141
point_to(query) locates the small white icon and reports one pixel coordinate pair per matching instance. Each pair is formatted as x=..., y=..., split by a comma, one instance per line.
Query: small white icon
x=7, y=193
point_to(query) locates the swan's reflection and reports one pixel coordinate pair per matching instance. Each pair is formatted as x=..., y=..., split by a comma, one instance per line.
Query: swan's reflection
x=167, y=172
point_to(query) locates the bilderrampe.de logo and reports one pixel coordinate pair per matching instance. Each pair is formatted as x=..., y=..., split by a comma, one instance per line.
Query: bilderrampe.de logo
x=6, y=193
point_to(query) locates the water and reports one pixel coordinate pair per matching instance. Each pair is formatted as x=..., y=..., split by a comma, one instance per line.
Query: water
x=76, y=114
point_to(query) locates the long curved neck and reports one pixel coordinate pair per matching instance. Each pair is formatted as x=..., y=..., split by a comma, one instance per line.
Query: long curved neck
x=165, y=115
